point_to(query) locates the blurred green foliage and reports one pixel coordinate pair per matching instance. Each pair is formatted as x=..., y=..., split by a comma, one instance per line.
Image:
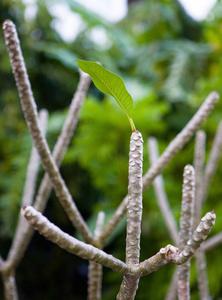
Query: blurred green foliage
x=169, y=64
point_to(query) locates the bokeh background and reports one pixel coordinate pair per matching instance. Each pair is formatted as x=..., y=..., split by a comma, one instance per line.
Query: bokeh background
x=170, y=63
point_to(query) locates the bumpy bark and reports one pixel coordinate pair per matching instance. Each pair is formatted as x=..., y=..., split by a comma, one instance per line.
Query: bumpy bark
x=186, y=222
x=71, y=244
x=134, y=215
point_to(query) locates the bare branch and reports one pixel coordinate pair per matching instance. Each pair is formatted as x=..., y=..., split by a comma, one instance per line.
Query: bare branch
x=134, y=207
x=94, y=281
x=33, y=167
x=212, y=162
x=10, y=289
x=153, y=263
x=30, y=113
x=199, y=157
x=181, y=139
x=134, y=214
x=173, y=148
x=202, y=275
x=186, y=219
x=114, y=221
x=71, y=244
x=161, y=193
x=94, y=269
x=172, y=291
x=21, y=241
x=172, y=254
x=186, y=222
x=212, y=242
x=128, y=288
x=199, y=235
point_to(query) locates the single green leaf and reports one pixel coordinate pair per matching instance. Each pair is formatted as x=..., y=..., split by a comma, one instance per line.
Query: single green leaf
x=111, y=84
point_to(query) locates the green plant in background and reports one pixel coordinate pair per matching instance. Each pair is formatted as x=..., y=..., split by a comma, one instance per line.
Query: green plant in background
x=147, y=51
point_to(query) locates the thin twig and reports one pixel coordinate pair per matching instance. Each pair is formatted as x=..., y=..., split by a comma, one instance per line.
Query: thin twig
x=172, y=291
x=186, y=223
x=33, y=166
x=161, y=193
x=212, y=162
x=173, y=148
x=199, y=157
x=94, y=269
x=202, y=275
x=30, y=114
x=212, y=242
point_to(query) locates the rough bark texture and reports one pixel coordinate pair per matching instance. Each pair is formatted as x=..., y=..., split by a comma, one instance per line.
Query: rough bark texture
x=199, y=235
x=186, y=223
x=134, y=207
x=71, y=244
x=134, y=215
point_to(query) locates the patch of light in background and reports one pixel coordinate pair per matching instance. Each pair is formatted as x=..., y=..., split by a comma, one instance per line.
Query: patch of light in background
x=198, y=9
x=67, y=23
x=31, y=9
x=111, y=10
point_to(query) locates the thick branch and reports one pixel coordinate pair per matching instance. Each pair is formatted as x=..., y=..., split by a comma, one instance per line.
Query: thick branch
x=173, y=148
x=186, y=222
x=30, y=113
x=134, y=207
x=134, y=215
x=71, y=244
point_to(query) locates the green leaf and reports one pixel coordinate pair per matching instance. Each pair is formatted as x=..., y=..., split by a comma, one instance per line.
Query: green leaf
x=111, y=84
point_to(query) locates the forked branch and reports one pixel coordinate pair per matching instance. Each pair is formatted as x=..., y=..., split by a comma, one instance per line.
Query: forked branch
x=30, y=114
